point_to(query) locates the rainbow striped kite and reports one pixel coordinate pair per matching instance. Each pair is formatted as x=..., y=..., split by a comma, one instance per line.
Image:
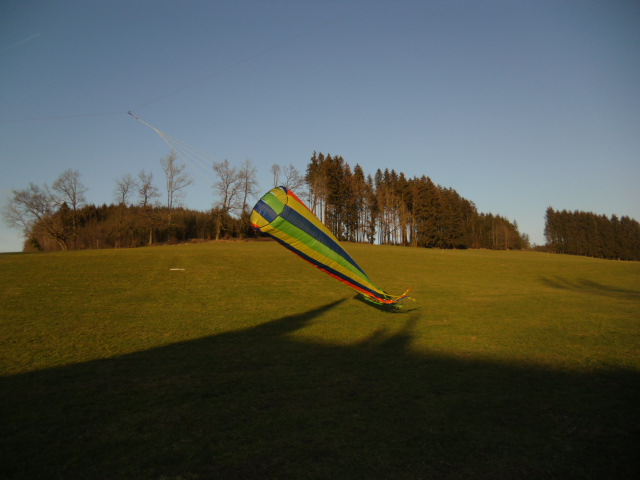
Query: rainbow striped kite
x=282, y=215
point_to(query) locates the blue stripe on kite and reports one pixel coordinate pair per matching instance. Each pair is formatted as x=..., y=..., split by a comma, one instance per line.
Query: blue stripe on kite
x=293, y=217
x=266, y=211
x=318, y=264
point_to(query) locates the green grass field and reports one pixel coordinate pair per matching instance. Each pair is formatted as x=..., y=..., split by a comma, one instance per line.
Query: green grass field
x=249, y=363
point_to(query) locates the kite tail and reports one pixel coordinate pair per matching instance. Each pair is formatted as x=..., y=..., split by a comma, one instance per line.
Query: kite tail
x=405, y=295
x=397, y=298
x=389, y=300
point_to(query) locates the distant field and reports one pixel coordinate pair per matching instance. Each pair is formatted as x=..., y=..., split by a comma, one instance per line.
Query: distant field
x=239, y=360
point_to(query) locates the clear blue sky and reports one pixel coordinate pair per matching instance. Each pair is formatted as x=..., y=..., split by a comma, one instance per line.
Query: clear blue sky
x=517, y=105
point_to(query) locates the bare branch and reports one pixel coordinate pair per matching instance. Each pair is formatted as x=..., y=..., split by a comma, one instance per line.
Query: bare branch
x=227, y=186
x=176, y=179
x=275, y=170
x=125, y=187
x=248, y=182
x=34, y=207
x=70, y=189
x=293, y=179
x=147, y=191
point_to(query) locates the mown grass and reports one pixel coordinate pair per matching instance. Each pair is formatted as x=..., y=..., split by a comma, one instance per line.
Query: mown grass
x=248, y=363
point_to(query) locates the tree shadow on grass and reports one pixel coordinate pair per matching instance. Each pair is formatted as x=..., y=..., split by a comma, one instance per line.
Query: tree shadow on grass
x=258, y=403
x=591, y=288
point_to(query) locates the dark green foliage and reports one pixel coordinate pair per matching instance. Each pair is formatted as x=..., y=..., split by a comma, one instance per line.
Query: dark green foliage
x=591, y=235
x=391, y=209
x=388, y=208
x=122, y=226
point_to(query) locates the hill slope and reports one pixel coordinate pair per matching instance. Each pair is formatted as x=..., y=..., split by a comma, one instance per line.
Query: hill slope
x=238, y=360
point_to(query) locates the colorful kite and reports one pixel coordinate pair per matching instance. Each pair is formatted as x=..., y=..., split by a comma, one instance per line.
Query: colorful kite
x=282, y=215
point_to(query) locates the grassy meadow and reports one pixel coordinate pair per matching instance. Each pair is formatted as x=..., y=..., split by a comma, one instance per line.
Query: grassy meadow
x=240, y=361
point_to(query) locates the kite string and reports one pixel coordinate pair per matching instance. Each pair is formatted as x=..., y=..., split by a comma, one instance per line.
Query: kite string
x=185, y=151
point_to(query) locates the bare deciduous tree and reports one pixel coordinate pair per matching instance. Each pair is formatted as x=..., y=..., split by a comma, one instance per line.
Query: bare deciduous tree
x=248, y=183
x=147, y=191
x=293, y=179
x=125, y=187
x=275, y=170
x=227, y=186
x=248, y=188
x=176, y=180
x=34, y=207
x=71, y=191
x=289, y=177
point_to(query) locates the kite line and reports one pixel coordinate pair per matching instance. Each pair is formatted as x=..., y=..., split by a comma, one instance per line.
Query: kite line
x=182, y=149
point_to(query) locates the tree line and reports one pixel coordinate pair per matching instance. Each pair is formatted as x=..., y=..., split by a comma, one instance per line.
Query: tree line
x=592, y=235
x=386, y=208
x=125, y=226
x=389, y=208
x=59, y=218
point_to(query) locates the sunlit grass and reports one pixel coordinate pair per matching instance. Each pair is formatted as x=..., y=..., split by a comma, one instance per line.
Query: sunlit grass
x=239, y=360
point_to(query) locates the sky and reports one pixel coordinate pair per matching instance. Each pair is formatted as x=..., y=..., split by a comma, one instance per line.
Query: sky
x=517, y=105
